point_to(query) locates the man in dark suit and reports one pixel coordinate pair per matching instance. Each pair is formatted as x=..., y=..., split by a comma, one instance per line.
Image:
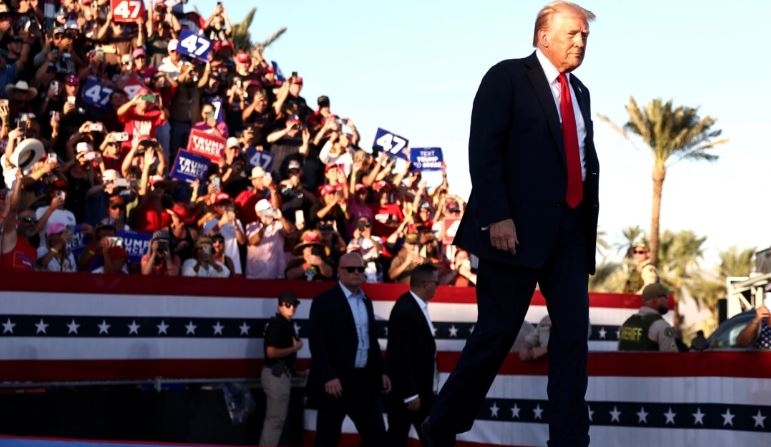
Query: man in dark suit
x=411, y=357
x=347, y=375
x=531, y=219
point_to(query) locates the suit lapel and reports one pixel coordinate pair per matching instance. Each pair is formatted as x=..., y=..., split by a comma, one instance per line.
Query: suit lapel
x=578, y=88
x=418, y=312
x=545, y=98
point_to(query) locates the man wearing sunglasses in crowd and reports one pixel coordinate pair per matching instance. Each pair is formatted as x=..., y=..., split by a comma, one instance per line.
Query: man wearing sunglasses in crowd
x=347, y=376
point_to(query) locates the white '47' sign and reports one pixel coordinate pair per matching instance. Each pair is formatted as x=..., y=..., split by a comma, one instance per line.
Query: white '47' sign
x=127, y=10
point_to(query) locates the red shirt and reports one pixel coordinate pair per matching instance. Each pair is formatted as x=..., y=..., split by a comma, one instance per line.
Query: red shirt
x=20, y=259
x=138, y=125
x=149, y=218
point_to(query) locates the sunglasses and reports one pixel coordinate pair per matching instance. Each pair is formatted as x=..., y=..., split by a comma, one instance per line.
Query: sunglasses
x=639, y=252
x=353, y=269
x=116, y=207
x=290, y=304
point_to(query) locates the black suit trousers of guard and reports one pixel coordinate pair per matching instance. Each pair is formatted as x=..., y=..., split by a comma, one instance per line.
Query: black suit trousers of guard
x=400, y=420
x=362, y=403
x=503, y=297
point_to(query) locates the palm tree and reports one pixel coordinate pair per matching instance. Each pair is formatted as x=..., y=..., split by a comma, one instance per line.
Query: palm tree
x=707, y=287
x=242, y=38
x=669, y=132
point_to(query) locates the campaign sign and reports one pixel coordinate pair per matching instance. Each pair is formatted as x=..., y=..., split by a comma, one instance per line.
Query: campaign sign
x=132, y=86
x=257, y=158
x=390, y=143
x=426, y=158
x=95, y=94
x=194, y=45
x=218, y=109
x=206, y=144
x=189, y=166
x=136, y=244
x=77, y=242
x=450, y=228
x=127, y=10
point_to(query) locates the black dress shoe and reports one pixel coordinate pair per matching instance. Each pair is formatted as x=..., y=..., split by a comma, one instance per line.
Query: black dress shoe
x=435, y=437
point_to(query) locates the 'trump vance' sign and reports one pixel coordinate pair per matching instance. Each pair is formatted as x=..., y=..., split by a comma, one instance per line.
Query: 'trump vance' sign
x=206, y=144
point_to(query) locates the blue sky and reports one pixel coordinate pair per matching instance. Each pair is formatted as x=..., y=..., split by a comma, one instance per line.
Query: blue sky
x=413, y=67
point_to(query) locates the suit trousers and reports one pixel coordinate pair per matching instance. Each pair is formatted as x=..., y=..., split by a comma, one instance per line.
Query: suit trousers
x=277, y=394
x=362, y=403
x=400, y=420
x=503, y=297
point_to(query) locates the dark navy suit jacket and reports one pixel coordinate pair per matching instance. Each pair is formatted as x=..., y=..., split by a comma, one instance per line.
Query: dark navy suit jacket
x=411, y=351
x=333, y=342
x=518, y=168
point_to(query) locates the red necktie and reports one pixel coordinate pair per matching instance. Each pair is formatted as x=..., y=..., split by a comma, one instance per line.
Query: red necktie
x=575, y=190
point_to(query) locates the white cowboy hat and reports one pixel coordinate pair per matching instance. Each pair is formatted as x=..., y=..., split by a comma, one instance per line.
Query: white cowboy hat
x=27, y=153
x=21, y=86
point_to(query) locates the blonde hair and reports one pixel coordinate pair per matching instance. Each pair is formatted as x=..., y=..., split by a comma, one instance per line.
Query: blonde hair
x=547, y=12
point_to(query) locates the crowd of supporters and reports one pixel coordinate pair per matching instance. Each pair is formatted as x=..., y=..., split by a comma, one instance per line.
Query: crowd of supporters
x=105, y=108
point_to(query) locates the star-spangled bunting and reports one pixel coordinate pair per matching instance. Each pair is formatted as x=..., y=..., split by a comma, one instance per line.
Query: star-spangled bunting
x=636, y=414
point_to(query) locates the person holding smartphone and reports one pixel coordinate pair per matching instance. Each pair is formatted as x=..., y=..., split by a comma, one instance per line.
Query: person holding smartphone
x=203, y=264
x=209, y=123
x=159, y=259
x=141, y=116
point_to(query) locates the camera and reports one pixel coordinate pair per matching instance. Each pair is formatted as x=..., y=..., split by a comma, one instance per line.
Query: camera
x=362, y=226
x=61, y=195
x=121, y=136
x=326, y=227
x=115, y=241
x=163, y=245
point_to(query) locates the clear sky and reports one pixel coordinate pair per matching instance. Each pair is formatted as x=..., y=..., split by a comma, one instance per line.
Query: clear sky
x=413, y=67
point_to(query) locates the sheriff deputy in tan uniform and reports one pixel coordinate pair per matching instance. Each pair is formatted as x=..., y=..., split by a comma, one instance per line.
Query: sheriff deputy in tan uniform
x=647, y=330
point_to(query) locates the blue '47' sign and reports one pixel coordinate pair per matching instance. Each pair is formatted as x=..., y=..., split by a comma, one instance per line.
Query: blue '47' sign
x=194, y=45
x=95, y=94
x=390, y=143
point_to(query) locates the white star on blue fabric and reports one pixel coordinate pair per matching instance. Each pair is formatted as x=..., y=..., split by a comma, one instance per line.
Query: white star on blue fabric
x=8, y=326
x=642, y=416
x=453, y=331
x=244, y=328
x=615, y=414
x=698, y=417
x=217, y=328
x=603, y=333
x=670, y=415
x=190, y=328
x=538, y=412
x=728, y=418
x=134, y=328
x=515, y=412
x=759, y=420
x=72, y=328
x=162, y=328
x=41, y=327
x=494, y=410
x=104, y=328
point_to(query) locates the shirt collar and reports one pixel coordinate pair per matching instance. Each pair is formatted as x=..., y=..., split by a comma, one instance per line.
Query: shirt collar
x=347, y=292
x=549, y=69
x=421, y=302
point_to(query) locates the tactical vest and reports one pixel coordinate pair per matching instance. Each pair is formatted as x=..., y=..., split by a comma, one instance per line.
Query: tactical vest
x=633, y=334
